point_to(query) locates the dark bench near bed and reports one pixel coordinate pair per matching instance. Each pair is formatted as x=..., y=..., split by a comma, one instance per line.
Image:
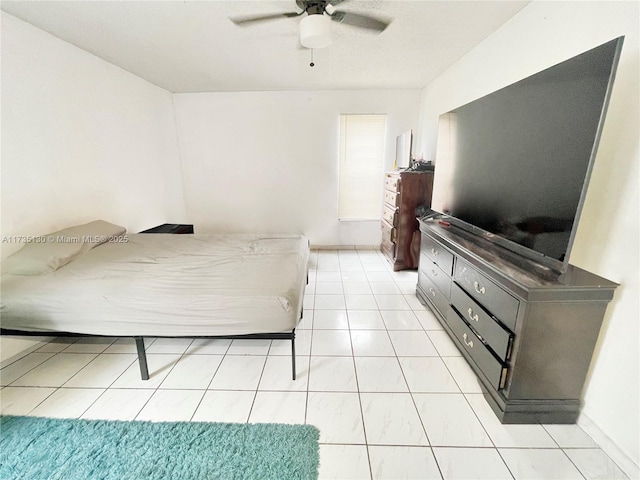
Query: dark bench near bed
x=96, y=280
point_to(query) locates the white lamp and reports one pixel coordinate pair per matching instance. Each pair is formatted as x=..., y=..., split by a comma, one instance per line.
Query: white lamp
x=315, y=31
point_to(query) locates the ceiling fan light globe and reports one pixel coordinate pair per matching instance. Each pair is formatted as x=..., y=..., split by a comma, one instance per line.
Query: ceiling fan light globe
x=315, y=31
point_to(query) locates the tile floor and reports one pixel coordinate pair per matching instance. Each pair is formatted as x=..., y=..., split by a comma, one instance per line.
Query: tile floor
x=388, y=390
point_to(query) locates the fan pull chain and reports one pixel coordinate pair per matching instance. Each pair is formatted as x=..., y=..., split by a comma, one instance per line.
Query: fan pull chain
x=312, y=64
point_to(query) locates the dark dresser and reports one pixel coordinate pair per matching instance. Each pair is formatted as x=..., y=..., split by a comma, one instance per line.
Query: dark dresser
x=403, y=192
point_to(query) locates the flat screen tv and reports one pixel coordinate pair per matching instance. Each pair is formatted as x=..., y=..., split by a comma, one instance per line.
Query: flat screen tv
x=514, y=166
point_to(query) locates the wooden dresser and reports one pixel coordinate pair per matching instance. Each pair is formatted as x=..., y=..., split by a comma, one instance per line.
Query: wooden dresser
x=528, y=332
x=403, y=192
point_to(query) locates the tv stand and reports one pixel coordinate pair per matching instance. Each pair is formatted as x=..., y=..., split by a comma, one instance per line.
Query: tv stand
x=526, y=330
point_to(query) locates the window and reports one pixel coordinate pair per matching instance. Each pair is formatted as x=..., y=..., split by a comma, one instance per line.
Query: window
x=361, y=160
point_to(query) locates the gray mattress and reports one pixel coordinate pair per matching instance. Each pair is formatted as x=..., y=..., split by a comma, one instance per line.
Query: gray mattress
x=167, y=285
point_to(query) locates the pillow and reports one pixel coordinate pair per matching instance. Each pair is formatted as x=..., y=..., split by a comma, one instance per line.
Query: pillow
x=47, y=253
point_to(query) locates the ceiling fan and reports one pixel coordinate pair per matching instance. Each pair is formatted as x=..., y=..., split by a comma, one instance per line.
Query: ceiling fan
x=315, y=27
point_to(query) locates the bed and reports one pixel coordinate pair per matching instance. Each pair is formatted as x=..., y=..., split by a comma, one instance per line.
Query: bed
x=155, y=285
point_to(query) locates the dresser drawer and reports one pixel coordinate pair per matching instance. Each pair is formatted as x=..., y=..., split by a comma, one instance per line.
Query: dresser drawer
x=437, y=253
x=495, y=336
x=435, y=296
x=389, y=233
x=391, y=198
x=500, y=303
x=392, y=182
x=491, y=367
x=390, y=215
x=437, y=276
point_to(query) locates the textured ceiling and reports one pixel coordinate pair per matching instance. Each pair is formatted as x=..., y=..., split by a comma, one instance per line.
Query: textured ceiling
x=192, y=46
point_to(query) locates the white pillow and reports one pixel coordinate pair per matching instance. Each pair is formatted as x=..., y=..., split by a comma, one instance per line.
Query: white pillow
x=47, y=253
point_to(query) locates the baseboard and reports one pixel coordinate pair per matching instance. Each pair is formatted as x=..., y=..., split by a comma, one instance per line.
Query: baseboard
x=345, y=247
x=626, y=464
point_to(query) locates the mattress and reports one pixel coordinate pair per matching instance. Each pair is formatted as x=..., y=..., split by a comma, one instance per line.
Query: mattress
x=167, y=285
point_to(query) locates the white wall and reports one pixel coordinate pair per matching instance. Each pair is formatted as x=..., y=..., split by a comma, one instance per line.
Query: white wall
x=267, y=161
x=81, y=140
x=542, y=34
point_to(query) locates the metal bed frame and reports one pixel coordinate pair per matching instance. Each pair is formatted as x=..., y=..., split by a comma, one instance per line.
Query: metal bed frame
x=142, y=356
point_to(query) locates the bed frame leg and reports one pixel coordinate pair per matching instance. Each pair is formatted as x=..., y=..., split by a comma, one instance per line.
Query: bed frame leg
x=142, y=358
x=293, y=353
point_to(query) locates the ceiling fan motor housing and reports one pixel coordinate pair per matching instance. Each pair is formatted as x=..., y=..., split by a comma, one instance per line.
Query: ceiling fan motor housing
x=315, y=31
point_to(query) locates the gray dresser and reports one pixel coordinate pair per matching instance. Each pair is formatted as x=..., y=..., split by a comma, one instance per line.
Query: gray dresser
x=527, y=332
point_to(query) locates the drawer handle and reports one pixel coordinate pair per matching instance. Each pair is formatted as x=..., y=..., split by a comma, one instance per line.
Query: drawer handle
x=432, y=291
x=478, y=288
x=472, y=316
x=434, y=273
x=467, y=343
x=434, y=252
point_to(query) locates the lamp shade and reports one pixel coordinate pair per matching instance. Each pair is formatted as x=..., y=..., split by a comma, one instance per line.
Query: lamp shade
x=315, y=31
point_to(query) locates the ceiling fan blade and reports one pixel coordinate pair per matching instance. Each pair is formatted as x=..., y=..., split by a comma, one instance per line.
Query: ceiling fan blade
x=248, y=19
x=361, y=21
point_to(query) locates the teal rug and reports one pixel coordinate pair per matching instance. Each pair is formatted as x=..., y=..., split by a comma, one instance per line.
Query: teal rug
x=45, y=448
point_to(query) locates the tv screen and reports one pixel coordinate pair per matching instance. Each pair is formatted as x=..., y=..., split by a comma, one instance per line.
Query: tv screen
x=514, y=165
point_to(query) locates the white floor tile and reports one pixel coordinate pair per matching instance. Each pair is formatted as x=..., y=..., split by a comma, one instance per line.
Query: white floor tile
x=56, y=371
x=277, y=374
x=171, y=406
x=371, y=343
x=330, y=320
x=392, y=419
x=450, y=421
x=122, y=345
x=428, y=320
x=594, y=464
x=306, y=322
x=536, y=464
x=90, y=345
x=471, y=463
x=353, y=277
x=344, y=462
x=380, y=374
x=412, y=344
x=209, y=346
x=365, y=320
x=57, y=345
x=229, y=406
x=377, y=274
x=517, y=436
x=463, y=375
x=102, y=371
x=192, y=372
x=400, y=320
x=337, y=416
x=389, y=288
x=67, y=402
x=570, y=436
x=21, y=400
x=249, y=347
x=15, y=370
x=167, y=345
x=407, y=287
x=414, y=302
x=279, y=407
x=394, y=462
x=159, y=366
x=443, y=343
x=328, y=277
x=428, y=375
x=331, y=342
x=361, y=302
x=238, y=372
x=329, y=288
x=332, y=374
x=329, y=302
x=357, y=288
x=117, y=404
x=392, y=302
